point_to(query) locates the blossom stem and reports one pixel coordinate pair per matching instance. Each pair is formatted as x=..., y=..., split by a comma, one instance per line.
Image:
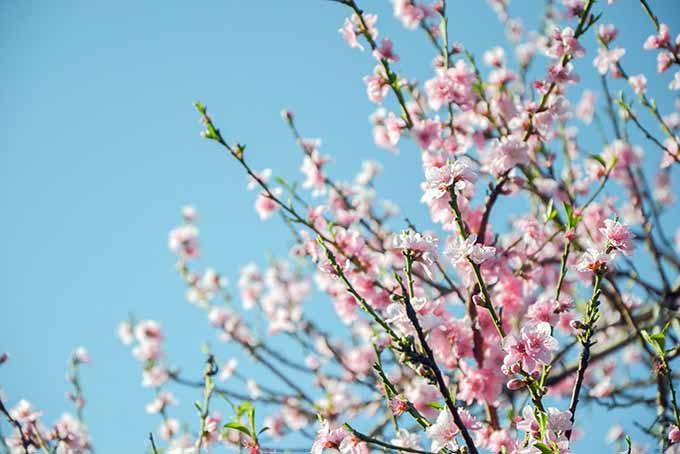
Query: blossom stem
x=431, y=362
x=389, y=386
x=375, y=441
x=204, y=410
x=359, y=299
x=580, y=29
x=393, y=77
x=475, y=267
x=563, y=268
x=585, y=337
x=154, y=450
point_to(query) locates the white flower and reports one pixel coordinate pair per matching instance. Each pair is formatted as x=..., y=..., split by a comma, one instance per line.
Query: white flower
x=443, y=432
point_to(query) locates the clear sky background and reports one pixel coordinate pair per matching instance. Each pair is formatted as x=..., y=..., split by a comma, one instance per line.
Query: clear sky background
x=99, y=149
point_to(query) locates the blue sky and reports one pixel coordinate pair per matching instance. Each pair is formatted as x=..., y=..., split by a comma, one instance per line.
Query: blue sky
x=100, y=148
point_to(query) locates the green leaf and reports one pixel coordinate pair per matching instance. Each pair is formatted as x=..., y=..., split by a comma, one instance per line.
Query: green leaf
x=238, y=426
x=657, y=340
x=543, y=448
x=436, y=405
x=242, y=409
x=598, y=159
x=251, y=418
x=550, y=212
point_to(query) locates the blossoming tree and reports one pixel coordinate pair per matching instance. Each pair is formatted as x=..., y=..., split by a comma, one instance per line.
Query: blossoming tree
x=464, y=335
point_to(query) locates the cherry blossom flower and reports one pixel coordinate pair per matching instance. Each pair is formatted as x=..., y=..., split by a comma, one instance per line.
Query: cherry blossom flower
x=619, y=236
x=443, y=432
x=659, y=40
x=426, y=133
x=675, y=83
x=409, y=13
x=564, y=41
x=406, y=439
x=328, y=437
x=453, y=85
x=586, y=106
x=606, y=59
x=184, y=241
x=350, y=35
x=533, y=346
x=438, y=180
x=398, y=405
x=674, y=434
x=81, y=356
x=459, y=250
x=594, y=260
x=607, y=33
x=638, y=83
x=385, y=51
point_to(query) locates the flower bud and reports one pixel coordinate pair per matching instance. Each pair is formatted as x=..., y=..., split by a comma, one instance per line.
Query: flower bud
x=674, y=434
x=577, y=324
x=287, y=115
x=515, y=383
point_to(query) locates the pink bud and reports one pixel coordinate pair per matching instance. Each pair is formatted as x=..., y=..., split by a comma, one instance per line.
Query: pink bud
x=287, y=115
x=674, y=434
x=514, y=384
x=576, y=324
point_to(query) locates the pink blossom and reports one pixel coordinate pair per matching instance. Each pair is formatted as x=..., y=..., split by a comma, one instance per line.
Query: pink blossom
x=328, y=437
x=674, y=434
x=161, y=401
x=594, y=260
x=659, y=40
x=409, y=13
x=438, y=180
x=154, y=377
x=564, y=42
x=80, y=355
x=533, y=346
x=385, y=51
x=443, y=432
x=168, y=428
x=672, y=154
x=350, y=35
x=311, y=168
x=606, y=59
x=482, y=385
x=352, y=445
x=506, y=153
x=189, y=213
x=184, y=241
x=494, y=57
x=453, y=85
x=664, y=60
x=265, y=205
x=559, y=74
x=638, y=83
x=586, y=106
x=607, y=33
x=377, y=85
x=398, y=405
x=406, y=439
x=427, y=133
x=675, y=83
x=228, y=369
x=619, y=236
